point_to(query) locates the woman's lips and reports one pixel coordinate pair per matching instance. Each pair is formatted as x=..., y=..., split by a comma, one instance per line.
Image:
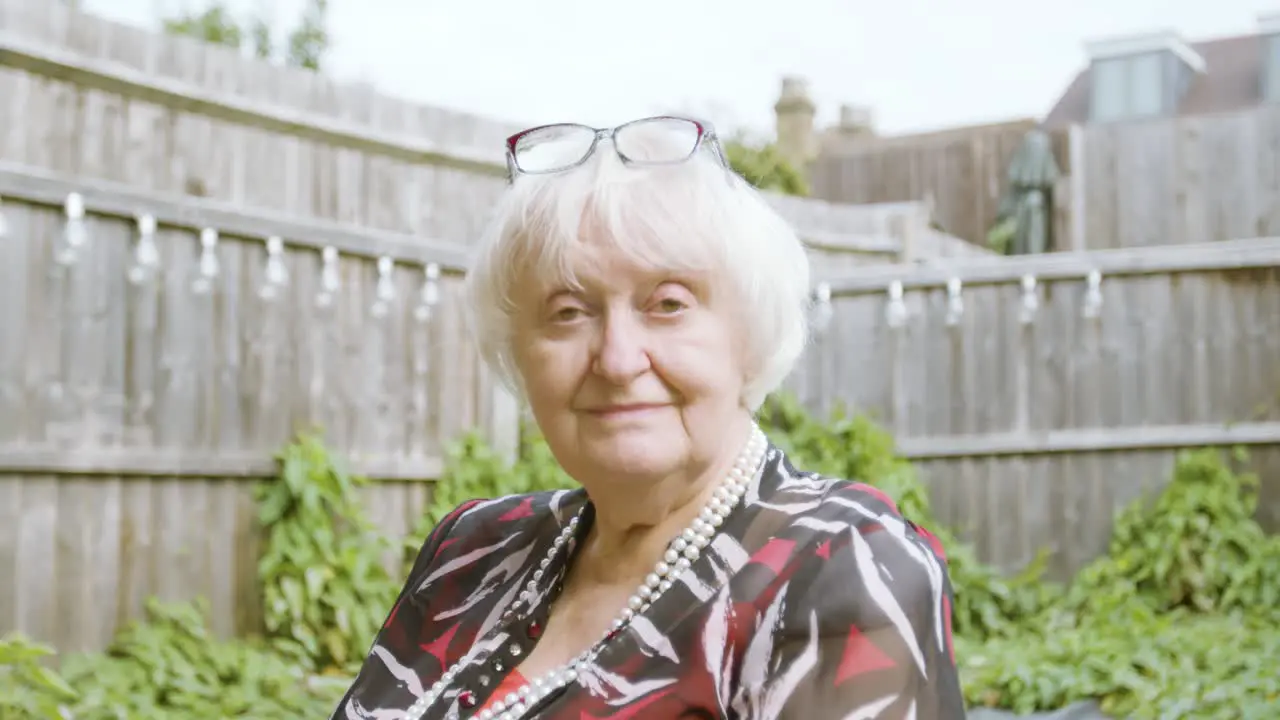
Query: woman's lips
x=625, y=412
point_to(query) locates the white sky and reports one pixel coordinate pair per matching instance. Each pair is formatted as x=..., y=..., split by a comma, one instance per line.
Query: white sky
x=920, y=64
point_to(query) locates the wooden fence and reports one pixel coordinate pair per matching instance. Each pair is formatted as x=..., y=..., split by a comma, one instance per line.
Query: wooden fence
x=1180, y=181
x=961, y=171
x=135, y=416
x=1174, y=181
x=1035, y=400
x=150, y=368
x=102, y=100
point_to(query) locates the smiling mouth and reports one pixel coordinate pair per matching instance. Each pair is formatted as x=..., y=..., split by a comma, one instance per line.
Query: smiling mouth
x=619, y=412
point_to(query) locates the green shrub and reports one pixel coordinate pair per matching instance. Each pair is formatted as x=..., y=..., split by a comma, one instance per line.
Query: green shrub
x=1178, y=619
x=325, y=585
x=28, y=689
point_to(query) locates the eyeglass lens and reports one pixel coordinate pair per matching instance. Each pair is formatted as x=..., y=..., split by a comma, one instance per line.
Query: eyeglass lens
x=649, y=141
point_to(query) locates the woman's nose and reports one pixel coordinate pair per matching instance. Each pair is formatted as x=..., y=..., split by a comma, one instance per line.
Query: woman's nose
x=621, y=354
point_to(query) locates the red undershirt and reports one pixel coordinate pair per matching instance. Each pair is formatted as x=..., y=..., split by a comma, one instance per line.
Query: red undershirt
x=511, y=683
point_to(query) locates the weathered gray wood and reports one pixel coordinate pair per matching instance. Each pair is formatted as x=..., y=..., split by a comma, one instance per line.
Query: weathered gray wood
x=878, y=244
x=108, y=462
x=1031, y=427
x=846, y=230
x=110, y=199
x=1048, y=442
x=118, y=79
x=1226, y=255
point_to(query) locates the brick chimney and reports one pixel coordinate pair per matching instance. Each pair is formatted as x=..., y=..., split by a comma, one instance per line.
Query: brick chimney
x=794, y=114
x=856, y=121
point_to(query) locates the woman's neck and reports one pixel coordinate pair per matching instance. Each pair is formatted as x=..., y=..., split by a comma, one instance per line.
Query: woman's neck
x=634, y=524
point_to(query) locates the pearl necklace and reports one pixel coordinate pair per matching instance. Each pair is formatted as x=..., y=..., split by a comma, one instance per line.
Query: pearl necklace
x=679, y=556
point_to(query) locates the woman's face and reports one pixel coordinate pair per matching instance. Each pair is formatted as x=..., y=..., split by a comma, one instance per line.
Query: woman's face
x=636, y=375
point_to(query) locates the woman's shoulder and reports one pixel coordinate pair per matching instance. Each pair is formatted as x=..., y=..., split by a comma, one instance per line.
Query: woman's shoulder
x=505, y=509
x=484, y=527
x=857, y=558
x=841, y=508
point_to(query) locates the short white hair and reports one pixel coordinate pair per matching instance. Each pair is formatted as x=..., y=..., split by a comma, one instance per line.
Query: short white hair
x=691, y=215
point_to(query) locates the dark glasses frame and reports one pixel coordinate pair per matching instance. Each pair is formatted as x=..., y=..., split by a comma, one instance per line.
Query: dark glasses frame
x=706, y=135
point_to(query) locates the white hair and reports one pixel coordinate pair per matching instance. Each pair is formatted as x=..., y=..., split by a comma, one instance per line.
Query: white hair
x=691, y=215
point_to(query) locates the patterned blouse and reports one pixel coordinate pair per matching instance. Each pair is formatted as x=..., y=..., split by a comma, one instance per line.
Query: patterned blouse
x=816, y=600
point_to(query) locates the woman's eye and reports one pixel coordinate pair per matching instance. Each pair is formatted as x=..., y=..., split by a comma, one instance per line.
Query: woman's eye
x=566, y=314
x=669, y=306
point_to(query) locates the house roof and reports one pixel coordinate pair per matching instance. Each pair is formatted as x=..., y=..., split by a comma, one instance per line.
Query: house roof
x=1232, y=80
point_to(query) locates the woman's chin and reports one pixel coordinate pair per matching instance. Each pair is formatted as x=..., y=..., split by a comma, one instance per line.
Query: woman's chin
x=633, y=455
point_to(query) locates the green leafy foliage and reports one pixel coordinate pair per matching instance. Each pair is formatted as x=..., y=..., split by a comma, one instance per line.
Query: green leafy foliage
x=170, y=667
x=214, y=25
x=326, y=589
x=763, y=166
x=29, y=689
x=1196, y=548
x=1178, y=619
x=305, y=46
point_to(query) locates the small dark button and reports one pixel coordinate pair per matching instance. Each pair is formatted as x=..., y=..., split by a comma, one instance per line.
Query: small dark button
x=534, y=631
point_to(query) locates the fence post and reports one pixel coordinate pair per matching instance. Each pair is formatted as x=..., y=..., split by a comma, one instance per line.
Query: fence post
x=1078, y=185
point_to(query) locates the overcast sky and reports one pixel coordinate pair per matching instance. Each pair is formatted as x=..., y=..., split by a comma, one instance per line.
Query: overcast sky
x=920, y=64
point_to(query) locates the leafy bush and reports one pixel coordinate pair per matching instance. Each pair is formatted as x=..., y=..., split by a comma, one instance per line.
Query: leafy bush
x=170, y=667
x=27, y=688
x=1178, y=619
x=326, y=588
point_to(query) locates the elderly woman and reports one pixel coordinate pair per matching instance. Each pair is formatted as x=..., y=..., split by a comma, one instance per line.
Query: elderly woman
x=644, y=300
